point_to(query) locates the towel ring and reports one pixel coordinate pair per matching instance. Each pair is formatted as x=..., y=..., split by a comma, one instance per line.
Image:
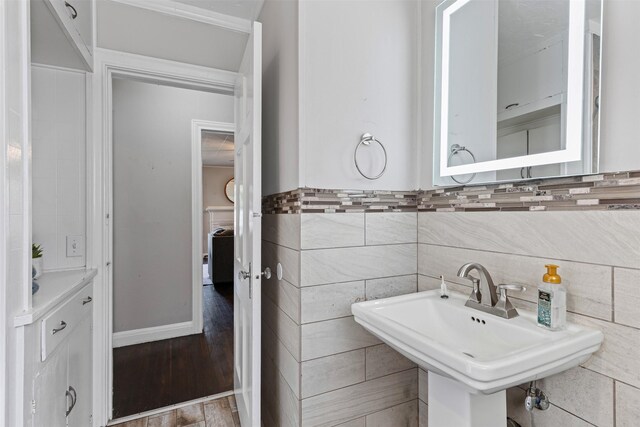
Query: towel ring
x=367, y=139
x=455, y=149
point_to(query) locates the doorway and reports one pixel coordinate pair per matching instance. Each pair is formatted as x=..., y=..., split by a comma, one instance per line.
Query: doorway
x=172, y=336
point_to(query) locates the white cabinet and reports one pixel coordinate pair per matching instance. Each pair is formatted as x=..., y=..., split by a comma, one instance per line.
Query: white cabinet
x=62, y=33
x=531, y=83
x=62, y=384
x=79, y=374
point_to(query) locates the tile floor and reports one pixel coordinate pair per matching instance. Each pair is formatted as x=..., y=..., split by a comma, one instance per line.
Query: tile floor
x=221, y=412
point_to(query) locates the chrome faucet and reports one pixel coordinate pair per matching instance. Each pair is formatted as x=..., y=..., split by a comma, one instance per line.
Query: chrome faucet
x=484, y=294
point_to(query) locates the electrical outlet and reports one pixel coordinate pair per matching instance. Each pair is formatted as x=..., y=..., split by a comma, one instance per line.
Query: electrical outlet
x=75, y=246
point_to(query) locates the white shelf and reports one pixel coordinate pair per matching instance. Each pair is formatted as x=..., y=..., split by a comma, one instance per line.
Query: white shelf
x=55, y=287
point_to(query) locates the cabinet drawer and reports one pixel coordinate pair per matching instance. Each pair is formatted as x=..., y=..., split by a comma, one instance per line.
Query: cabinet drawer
x=57, y=325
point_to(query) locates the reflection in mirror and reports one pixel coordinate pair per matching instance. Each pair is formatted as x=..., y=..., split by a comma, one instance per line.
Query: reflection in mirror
x=507, y=94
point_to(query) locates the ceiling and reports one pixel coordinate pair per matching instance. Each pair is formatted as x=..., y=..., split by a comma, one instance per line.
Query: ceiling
x=524, y=24
x=217, y=149
x=247, y=9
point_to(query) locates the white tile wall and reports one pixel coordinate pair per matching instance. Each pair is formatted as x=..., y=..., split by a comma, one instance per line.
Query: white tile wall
x=331, y=261
x=58, y=155
x=599, y=258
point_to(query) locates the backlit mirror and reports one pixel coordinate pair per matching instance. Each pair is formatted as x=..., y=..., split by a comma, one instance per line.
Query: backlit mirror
x=517, y=89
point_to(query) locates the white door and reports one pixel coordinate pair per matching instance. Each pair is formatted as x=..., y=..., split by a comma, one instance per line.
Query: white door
x=248, y=231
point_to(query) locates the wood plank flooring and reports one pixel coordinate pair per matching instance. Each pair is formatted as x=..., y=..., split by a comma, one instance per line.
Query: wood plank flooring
x=221, y=412
x=162, y=373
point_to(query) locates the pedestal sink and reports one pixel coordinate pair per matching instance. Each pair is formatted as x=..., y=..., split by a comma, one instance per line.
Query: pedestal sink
x=472, y=357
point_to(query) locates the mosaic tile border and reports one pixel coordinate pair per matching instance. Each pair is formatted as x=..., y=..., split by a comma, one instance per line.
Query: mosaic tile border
x=314, y=200
x=609, y=191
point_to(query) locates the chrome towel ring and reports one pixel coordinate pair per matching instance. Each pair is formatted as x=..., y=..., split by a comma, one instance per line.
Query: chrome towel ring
x=367, y=139
x=456, y=149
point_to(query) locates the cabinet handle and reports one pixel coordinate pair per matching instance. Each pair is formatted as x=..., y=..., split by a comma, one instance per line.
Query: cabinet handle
x=71, y=393
x=510, y=106
x=63, y=325
x=74, y=12
x=87, y=300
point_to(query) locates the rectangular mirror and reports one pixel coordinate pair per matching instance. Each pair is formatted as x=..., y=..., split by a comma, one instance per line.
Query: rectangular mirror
x=517, y=89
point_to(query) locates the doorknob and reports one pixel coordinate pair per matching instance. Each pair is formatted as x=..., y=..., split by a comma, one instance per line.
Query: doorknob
x=243, y=275
x=267, y=273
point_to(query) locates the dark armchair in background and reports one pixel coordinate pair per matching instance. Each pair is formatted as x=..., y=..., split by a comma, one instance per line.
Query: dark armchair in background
x=221, y=256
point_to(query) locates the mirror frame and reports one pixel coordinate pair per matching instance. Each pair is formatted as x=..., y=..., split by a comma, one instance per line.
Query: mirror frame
x=575, y=98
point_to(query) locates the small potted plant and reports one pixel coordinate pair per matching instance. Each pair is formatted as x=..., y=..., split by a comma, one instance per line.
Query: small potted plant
x=36, y=259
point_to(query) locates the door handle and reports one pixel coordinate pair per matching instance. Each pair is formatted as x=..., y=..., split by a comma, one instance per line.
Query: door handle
x=71, y=393
x=63, y=325
x=267, y=273
x=243, y=275
x=87, y=300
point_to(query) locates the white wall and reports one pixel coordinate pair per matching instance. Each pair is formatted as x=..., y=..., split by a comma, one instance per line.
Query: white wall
x=152, y=200
x=620, y=124
x=280, y=128
x=58, y=156
x=214, y=180
x=358, y=73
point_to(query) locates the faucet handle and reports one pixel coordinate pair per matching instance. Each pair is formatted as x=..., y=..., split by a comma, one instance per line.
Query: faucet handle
x=503, y=304
x=504, y=287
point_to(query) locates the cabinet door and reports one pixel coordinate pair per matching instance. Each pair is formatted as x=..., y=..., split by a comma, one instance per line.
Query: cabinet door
x=49, y=387
x=83, y=21
x=80, y=372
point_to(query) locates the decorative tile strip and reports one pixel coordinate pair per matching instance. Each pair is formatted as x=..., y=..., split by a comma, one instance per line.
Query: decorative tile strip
x=608, y=191
x=313, y=200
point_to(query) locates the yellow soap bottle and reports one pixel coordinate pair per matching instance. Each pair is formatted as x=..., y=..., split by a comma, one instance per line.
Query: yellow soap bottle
x=552, y=300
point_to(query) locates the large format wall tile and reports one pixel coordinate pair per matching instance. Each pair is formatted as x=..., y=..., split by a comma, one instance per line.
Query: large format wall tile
x=385, y=228
x=582, y=392
x=330, y=301
x=361, y=399
x=284, y=361
x=618, y=355
x=334, y=336
x=273, y=254
x=588, y=285
x=391, y=286
x=552, y=417
x=278, y=400
x=423, y=414
x=348, y=264
x=331, y=230
x=599, y=237
x=287, y=331
x=627, y=296
x=423, y=385
x=284, y=295
x=405, y=415
x=332, y=372
x=627, y=405
x=383, y=360
x=283, y=230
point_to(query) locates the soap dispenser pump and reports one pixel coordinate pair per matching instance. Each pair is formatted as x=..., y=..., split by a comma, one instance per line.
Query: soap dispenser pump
x=552, y=300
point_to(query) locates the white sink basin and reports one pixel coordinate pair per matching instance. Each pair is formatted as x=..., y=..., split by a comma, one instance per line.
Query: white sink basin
x=483, y=352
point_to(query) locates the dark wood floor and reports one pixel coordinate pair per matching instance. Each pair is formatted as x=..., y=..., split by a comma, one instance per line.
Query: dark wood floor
x=157, y=374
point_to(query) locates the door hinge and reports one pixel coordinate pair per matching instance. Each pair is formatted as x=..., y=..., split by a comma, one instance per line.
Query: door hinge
x=33, y=406
x=257, y=215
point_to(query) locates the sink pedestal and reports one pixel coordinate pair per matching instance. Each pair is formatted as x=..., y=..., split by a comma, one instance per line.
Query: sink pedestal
x=451, y=404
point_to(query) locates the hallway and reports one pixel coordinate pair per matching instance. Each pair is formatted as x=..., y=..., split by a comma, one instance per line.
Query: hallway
x=157, y=374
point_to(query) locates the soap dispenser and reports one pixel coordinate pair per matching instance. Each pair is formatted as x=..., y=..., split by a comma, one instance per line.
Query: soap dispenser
x=552, y=300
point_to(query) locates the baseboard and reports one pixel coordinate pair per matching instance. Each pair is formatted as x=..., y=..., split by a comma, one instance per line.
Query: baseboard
x=156, y=333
